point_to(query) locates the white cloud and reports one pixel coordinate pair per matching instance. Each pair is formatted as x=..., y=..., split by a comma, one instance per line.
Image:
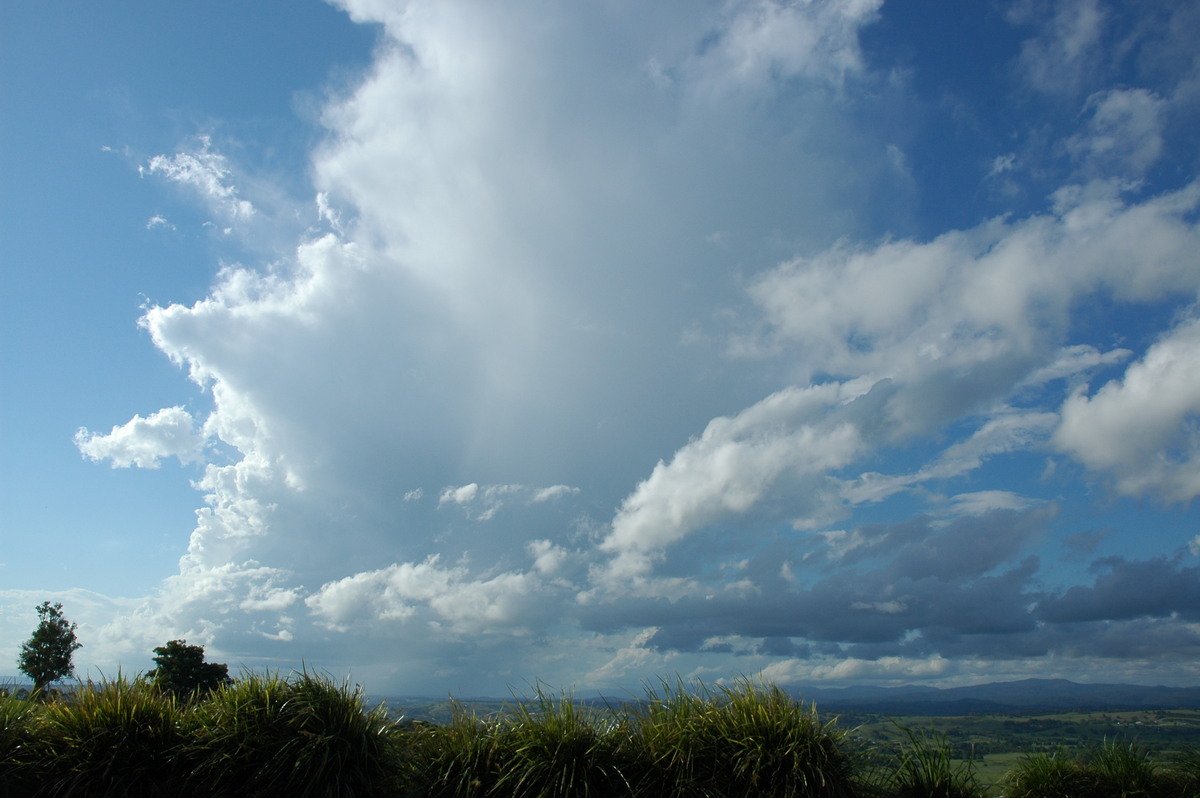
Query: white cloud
x=547, y=557
x=998, y=291
x=1075, y=360
x=460, y=495
x=1124, y=134
x=208, y=173
x=1142, y=429
x=144, y=441
x=483, y=502
x=728, y=470
x=982, y=502
x=631, y=658
x=888, y=669
x=1066, y=46
x=764, y=40
x=441, y=597
x=522, y=216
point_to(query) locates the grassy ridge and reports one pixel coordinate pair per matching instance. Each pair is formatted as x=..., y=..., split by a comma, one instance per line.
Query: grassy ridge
x=307, y=735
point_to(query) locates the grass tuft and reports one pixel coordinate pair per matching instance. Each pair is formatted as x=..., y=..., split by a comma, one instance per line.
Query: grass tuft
x=1046, y=775
x=118, y=738
x=308, y=736
x=926, y=769
x=18, y=733
x=747, y=739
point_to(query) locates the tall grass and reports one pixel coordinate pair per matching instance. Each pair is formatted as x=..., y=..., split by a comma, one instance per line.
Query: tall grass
x=18, y=731
x=737, y=741
x=746, y=739
x=1182, y=777
x=119, y=738
x=1046, y=775
x=926, y=769
x=544, y=746
x=307, y=736
x=1114, y=770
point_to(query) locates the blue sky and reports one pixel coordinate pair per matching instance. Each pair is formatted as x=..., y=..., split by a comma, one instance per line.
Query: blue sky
x=454, y=345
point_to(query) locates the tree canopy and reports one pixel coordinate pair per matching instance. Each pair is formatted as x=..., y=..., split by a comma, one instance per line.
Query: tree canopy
x=183, y=672
x=46, y=657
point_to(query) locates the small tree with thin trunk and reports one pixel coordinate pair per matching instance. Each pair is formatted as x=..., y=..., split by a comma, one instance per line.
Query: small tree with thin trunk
x=46, y=657
x=183, y=672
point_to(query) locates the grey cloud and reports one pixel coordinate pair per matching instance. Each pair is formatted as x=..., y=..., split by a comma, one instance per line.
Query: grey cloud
x=938, y=582
x=1125, y=589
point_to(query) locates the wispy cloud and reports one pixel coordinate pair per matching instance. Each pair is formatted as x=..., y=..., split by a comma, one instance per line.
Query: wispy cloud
x=208, y=173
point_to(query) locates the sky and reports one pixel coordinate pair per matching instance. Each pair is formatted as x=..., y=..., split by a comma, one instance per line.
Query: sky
x=453, y=346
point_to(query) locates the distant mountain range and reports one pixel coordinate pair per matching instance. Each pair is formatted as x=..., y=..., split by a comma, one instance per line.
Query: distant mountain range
x=1028, y=695
x=1024, y=695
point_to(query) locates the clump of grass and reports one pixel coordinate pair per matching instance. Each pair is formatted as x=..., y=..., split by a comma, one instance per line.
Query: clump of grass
x=119, y=738
x=552, y=746
x=544, y=746
x=926, y=769
x=1046, y=775
x=1114, y=770
x=1119, y=769
x=307, y=736
x=455, y=759
x=1182, y=777
x=747, y=739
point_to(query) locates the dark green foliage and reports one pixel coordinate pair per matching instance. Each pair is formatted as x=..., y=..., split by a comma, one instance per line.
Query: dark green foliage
x=183, y=673
x=46, y=656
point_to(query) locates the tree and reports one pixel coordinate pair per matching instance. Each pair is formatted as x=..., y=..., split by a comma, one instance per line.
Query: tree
x=183, y=672
x=47, y=656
